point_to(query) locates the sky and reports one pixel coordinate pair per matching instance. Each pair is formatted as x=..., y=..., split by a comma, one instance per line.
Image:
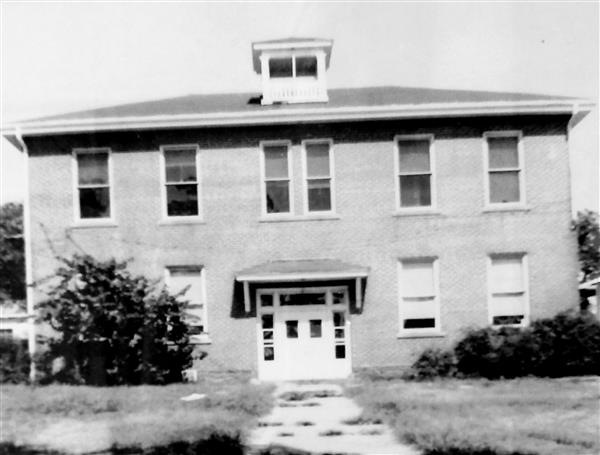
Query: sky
x=66, y=56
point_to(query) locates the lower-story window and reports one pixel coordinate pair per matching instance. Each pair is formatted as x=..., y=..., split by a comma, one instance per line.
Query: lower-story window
x=419, y=306
x=192, y=280
x=508, y=300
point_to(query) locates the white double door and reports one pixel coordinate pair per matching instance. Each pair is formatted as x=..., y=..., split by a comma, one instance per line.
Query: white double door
x=304, y=341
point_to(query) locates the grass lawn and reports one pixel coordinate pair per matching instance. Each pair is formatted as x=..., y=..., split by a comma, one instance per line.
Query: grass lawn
x=87, y=419
x=522, y=416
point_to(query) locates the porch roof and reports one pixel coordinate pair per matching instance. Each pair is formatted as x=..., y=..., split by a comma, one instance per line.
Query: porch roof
x=301, y=270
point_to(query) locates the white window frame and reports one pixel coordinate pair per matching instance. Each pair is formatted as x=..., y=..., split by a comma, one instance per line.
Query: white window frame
x=163, y=182
x=397, y=172
x=427, y=331
x=490, y=295
x=110, y=220
x=204, y=337
x=263, y=182
x=305, y=177
x=521, y=170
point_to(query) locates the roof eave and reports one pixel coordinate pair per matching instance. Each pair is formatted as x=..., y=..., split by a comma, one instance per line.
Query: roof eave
x=304, y=115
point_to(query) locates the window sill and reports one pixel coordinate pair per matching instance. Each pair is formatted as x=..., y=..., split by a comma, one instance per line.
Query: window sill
x=506, y=208
x=291, y=218
x=434, y=334
x=417, y=212
x=181, y=220
x=94, y=223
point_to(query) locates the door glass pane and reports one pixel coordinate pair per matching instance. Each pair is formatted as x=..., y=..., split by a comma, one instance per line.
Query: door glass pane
x=94, y=203
x=415, y=190
x=92, y=168
x=414, y=156
x=182, y=200
x=319, y=195
x=267, y=321
x=291, y=329
x=504, y=187
x=278, y=197
x=338, y=319
x=280, y=67
x=267, y=334
x=306, y=66
x=180, y=165
x=276, y=161
x=340, y=351
x=503, y=152
x=339, y=333
x=302, y=299
x=317, y=160
x=269, y=353
x=315, y=328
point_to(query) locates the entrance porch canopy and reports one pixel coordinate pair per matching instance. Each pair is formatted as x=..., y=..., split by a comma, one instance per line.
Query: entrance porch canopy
x=301, y=270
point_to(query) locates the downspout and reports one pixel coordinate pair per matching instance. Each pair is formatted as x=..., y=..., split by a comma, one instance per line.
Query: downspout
x=30, y=298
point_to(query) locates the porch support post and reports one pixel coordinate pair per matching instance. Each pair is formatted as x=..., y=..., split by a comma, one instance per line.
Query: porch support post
x=247, y=297
x=358, y=292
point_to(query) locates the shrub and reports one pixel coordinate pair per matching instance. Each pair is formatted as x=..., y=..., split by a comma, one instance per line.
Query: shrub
x=14, y=361
x=112, y=327
x=434, y=363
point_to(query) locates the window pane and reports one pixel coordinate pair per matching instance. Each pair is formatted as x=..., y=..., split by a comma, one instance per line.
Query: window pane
x=280, y=67
x=278, y=197
x=291, y=329
x=269, y=353
x=319, y=195
x=418, y=308
x=267, y=321
x=267, y=334
x=315, y=328
x=302, y=299
x=317, y=160
x=414, y=156
x=340, y=351
x=179, y=280
x=504, y=187
x=181, y=165
x=419, y=323
x=339, y=334
x=503, y=152
x=92, y=168
x=506, y=320
x=507, y=275
x=306, y=66
x=338, y=319
x=195, y=329
x=182, y=200
x=266, y=299
x=276, y=161
x=508, y=305
x=339, y=297
x=417, y=279
x=94, y=203
x=415, y=190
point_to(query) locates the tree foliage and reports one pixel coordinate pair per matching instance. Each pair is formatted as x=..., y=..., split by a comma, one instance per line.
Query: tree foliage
x=112, y=327
x=588, y=239
x=12, y=258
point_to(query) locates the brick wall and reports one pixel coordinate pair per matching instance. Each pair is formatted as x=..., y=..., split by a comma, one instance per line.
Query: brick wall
x=232, y=237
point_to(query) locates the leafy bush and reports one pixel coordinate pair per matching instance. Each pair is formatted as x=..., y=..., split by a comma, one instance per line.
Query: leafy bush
x=565, y=345
x=14, y=361
x=434, y=363
x=112, y=327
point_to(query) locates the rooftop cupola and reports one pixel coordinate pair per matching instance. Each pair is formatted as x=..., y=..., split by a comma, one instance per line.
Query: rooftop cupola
x=293, y=69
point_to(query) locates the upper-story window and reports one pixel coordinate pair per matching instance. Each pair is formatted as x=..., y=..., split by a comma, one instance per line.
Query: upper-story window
x=414, y=171
x=93, y=184
x=295, y=66
x=504, y=167
x=181, y=182
x=319, y=176
x=277, y=178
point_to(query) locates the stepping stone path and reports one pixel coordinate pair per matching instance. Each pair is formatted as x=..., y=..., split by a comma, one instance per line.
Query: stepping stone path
x=318, y=419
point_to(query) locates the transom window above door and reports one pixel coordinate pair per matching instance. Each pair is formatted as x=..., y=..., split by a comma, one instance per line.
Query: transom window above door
x=181, y=181
x=269, y=299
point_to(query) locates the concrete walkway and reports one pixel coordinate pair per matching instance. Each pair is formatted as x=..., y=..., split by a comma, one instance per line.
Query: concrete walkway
x=318, y=419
